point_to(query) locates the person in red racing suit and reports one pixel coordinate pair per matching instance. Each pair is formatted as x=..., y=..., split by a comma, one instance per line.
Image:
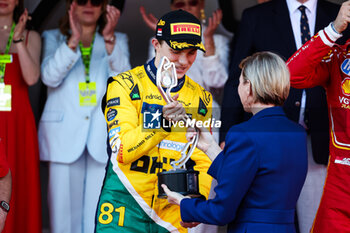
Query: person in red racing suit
x=322, y=62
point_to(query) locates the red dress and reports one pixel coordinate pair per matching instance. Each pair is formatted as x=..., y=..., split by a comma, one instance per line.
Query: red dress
x=19, y=142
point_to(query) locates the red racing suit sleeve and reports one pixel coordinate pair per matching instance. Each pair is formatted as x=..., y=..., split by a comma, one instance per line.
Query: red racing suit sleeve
x=310, y=65
x=126, y=135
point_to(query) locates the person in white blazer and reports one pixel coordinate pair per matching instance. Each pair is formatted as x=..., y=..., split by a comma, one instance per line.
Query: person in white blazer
x=72, y=130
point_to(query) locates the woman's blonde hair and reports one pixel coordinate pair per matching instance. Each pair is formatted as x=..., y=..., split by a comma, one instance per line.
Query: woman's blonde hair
x=269, y=77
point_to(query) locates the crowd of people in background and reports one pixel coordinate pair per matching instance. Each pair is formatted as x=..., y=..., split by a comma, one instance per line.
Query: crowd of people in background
x=89, y=150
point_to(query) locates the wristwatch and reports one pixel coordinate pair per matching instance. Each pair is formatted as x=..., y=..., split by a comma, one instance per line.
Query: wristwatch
x=5, y=206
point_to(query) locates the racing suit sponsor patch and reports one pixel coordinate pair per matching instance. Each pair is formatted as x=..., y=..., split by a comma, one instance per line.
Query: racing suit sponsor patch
x=345, y=86
x=116, y=122
x=343, y=161
x=202, y=109
x=113, y=102
x=171, y=145
x=150, y=165
x=111, y=114
x=345, y=67
x=113, y=132
x=135, y=93
x=120, y=154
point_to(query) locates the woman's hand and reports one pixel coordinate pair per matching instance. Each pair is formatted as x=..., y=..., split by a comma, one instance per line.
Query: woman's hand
x=176, y=198
x=208, y=34
x=150, y=20
x=343, y=17
x=75, y=27
x=113, y=15
x=213, y=23
x=174, y=111
x=206, y=142
x=21, y=25
x=205, y=139
x=173, y=197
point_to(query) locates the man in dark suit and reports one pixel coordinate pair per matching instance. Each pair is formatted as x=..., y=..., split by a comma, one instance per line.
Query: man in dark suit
x=276, y=26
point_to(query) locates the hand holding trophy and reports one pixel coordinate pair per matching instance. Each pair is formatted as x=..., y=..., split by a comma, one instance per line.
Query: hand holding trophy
x=178, y=179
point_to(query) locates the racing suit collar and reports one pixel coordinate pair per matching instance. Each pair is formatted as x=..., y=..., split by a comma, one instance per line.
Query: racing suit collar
x=151, y=71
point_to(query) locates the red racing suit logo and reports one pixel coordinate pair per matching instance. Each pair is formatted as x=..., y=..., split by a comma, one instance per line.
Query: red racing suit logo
x=345, y=86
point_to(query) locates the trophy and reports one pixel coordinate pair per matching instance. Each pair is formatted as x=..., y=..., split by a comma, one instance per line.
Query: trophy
x=178, y=179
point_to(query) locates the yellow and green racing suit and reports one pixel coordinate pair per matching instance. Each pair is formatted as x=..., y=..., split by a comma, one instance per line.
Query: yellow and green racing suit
x=140, y=147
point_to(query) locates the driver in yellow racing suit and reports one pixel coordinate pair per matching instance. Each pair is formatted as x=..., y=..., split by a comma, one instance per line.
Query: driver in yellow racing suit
x=141, y=141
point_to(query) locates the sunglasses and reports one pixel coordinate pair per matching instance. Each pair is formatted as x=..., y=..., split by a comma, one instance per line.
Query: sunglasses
x=183, y=4
x=92, y=2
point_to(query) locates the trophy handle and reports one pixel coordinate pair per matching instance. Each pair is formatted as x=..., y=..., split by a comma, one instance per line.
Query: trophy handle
x=185, y=157
x=166, y=78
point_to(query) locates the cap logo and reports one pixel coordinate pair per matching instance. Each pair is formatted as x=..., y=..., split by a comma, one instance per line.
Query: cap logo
x=161, y=23
x=185, y=28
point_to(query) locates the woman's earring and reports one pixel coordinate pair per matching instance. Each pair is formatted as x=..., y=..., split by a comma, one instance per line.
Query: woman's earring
x=203, y=16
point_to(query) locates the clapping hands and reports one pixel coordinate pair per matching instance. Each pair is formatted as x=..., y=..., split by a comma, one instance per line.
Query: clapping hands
x=113, y=15
x=213, y=23
x=150, y=20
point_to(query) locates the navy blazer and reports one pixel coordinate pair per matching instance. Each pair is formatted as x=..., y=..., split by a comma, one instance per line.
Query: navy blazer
x=260, y=174
x=267, y=27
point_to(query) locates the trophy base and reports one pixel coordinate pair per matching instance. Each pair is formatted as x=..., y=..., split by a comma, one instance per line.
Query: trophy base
x=180, y=181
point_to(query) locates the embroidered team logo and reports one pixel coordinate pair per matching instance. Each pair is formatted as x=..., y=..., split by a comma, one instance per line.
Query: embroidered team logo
x=345, y=86
x=345, y=67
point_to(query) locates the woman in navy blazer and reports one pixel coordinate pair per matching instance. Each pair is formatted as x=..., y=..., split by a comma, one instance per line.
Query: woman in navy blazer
x=263, y=166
